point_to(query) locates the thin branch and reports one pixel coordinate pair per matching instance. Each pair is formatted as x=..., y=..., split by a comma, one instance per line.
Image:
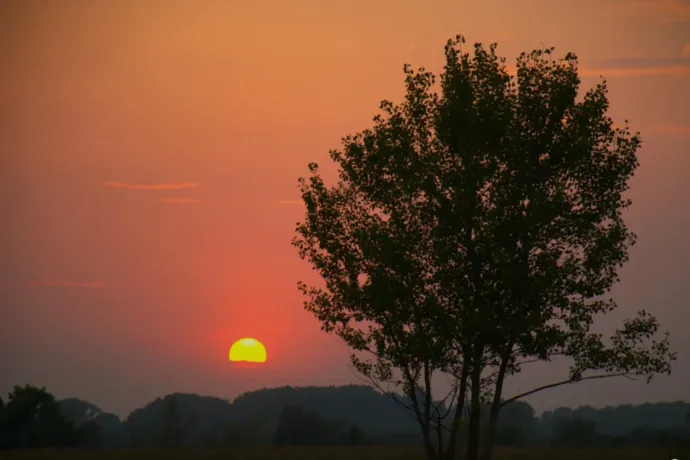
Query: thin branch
x=453, y=393
x=564, y=382
x=520, y=352
x=528, y=361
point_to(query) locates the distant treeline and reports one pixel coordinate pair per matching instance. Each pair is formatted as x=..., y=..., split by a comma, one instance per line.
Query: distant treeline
x=31, y=417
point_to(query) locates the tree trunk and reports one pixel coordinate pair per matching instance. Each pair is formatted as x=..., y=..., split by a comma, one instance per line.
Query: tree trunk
x=451, y=452
x=423, y=420
x=430, y=451
x=496, y=406
x=473, y=435
x=428, y=446
x=439, y=434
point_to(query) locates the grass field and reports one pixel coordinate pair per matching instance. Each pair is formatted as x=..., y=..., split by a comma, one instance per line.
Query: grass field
x=346, y=453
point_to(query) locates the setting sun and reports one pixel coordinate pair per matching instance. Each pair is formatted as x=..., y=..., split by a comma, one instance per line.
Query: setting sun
x=248, y=350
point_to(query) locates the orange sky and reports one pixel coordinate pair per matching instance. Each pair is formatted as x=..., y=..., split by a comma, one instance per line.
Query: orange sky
x=151, y=151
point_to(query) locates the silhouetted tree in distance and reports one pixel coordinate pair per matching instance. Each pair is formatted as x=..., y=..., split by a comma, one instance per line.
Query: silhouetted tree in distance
x=475, y=231
x=618, y=420
x=179, y=419
x=357, y=404
x=298, y=427
x=575, y=432
x=33, y=418
x=172, y=432
x=355, y=436
x=234, y=435
x=98, y=428
x=511, y=435
x=79, y=411
x=253, y=419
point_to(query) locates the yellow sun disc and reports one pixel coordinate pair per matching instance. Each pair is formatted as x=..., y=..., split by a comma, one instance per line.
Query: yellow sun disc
x=248, y=350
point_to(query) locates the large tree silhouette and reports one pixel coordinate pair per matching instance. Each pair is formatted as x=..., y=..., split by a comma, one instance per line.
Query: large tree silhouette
x=474, y=230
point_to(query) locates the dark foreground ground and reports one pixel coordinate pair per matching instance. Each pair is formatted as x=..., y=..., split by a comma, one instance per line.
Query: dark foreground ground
x=347, y=453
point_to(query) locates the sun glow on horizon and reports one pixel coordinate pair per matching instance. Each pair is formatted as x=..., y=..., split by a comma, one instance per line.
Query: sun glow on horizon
x=248, y=350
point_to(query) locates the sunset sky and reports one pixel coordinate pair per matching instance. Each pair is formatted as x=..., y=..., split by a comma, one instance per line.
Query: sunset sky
x=150, y=157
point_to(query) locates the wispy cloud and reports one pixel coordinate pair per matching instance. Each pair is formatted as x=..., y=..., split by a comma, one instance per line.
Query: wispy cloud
x=638, y=67
x=290, y=202
x=676, y=130
x=641, y=62
x=180, y=200
x=670, y=71
x=169, y=186
x=66, y=283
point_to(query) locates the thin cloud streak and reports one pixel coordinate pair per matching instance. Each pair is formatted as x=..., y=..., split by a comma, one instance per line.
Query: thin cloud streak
x=669, y=71
x=290, y=202
x=64, y=283
x=180, y=200
x=170, y=186
x=605, y=72
x=641, y=62
x=638, y=67
x=679, y=130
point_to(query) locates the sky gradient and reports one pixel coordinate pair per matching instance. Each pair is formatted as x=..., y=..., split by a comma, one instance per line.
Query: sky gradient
x=151, y=151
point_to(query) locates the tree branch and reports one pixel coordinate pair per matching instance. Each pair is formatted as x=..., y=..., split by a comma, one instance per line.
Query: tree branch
x=564, y=382
x=453, y=393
